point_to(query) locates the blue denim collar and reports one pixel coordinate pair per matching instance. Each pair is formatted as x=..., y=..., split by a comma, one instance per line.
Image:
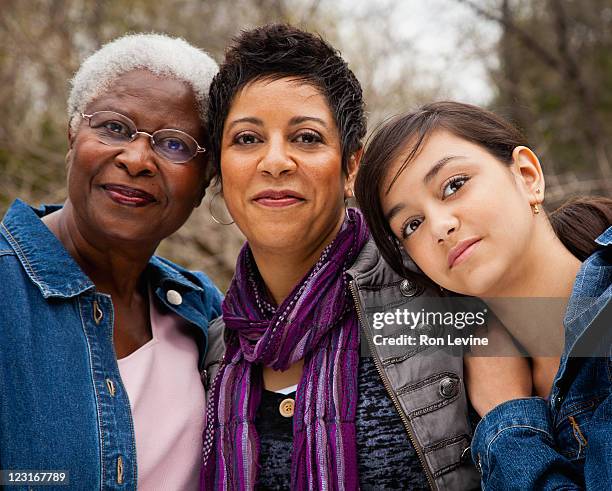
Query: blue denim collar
x=48, y=263
x=591, y=293
x=605, y=239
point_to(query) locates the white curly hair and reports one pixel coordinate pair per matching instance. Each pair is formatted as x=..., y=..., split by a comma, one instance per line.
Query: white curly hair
x=158, y=53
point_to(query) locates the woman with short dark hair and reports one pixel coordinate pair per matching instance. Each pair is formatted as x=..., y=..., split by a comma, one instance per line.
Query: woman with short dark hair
x=292, y=404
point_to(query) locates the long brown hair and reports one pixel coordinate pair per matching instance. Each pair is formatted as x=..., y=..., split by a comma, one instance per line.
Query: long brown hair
x=577, y=223
x=581, y=220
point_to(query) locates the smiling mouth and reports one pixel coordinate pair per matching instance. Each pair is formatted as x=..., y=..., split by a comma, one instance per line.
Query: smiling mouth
x=462, y=251
x=278, y=199
x=126, y=195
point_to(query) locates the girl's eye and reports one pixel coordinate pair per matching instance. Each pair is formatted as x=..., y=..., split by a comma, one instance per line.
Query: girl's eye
x=453, y=185
x=246, y=139
x=308, y=137
x=410, y=226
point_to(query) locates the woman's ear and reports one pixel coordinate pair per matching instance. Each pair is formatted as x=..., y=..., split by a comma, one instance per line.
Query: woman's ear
x=68, y=159
x=529, y=171
x=353, y=166
x=71, y=135
x=69, y=153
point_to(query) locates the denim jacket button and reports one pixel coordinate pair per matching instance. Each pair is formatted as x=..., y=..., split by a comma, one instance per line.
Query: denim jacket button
x=98, y=315
x=448, y=387
x=110, y=385
x=407, y=289
x=174, y=297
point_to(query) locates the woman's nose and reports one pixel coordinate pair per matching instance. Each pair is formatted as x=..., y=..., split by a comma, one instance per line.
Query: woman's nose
x=276, y=160
x=137, y=157
x=443, y=226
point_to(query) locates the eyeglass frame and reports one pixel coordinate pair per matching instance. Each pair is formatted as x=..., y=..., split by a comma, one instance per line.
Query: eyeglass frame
x=199, y=149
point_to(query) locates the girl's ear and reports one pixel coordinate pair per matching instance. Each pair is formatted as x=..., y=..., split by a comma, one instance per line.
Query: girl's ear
x=529, y=172
x=353, y=166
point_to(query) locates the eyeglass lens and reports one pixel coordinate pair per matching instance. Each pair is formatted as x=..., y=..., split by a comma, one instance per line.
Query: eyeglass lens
x=116, y=129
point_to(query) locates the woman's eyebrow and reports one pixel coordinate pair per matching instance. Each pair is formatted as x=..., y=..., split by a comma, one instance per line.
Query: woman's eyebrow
x=302, y=119
x=248, y=119
x=394, y=211
x=438, y=166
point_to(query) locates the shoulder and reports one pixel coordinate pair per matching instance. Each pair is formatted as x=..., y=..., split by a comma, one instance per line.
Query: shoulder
x=602, y=258
x=5, y=248
x=595, y=276
x=589, y=307
x=10, y=264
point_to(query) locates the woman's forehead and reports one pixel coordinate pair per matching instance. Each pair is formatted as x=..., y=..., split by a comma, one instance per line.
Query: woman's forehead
x=143, y=84
x=144, y=96
x=418, y=157
x=284, y=94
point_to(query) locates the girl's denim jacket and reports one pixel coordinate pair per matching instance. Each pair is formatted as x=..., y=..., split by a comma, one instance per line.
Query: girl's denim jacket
x=63, y=406
x=564, y=442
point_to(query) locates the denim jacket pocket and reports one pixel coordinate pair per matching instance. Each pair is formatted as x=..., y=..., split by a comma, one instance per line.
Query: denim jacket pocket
x=571, y=428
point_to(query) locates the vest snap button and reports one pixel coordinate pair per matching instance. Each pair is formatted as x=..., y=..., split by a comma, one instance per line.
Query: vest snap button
x=407, y=289
x=449, y=387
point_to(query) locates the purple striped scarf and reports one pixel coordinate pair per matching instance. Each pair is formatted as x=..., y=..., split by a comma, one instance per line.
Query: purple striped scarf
x=316, y=322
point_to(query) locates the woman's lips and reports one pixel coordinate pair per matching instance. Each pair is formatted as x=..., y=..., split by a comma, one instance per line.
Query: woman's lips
x=278, y=199
x=126, y=195
x=462, y=251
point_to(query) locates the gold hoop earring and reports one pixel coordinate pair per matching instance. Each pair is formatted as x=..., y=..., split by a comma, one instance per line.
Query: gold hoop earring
x=536, y=209
x=210, y=205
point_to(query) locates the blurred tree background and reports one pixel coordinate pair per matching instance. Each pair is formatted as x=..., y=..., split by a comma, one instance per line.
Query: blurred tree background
x=546, y=64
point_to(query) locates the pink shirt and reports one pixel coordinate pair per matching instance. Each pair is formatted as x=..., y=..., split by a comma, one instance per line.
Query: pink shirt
x=168, y=404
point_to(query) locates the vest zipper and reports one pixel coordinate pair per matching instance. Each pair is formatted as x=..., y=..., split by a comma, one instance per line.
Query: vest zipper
x=383, y=377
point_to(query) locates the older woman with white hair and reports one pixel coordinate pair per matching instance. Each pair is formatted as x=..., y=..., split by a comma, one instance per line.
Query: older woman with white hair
x=101, y=342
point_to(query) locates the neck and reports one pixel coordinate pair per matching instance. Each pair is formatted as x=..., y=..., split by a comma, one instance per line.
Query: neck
x=531, y=303
x=546, y=269
x=114, y=268
x=282, y=270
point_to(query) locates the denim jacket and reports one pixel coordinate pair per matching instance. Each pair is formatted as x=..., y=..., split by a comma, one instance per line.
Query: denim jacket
x=564, y=442
x=426, y=388
x=62, y=403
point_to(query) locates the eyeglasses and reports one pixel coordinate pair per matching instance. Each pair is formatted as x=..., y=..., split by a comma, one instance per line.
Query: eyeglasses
x=116, y=129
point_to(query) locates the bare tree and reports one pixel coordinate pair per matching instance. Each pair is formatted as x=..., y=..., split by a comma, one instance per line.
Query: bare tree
x=559, y=58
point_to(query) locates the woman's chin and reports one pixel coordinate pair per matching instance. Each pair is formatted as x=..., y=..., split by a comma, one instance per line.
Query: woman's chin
x=280, y=243
x=301, y=230
x=112, y=232
x=477, y=287
x=473, y=283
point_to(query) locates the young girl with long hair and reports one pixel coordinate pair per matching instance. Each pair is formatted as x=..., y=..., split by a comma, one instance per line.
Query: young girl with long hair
x=458, y=188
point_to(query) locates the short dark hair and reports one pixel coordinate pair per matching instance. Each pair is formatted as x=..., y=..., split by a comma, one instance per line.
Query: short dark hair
x=476, y=125
x=276, y=51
